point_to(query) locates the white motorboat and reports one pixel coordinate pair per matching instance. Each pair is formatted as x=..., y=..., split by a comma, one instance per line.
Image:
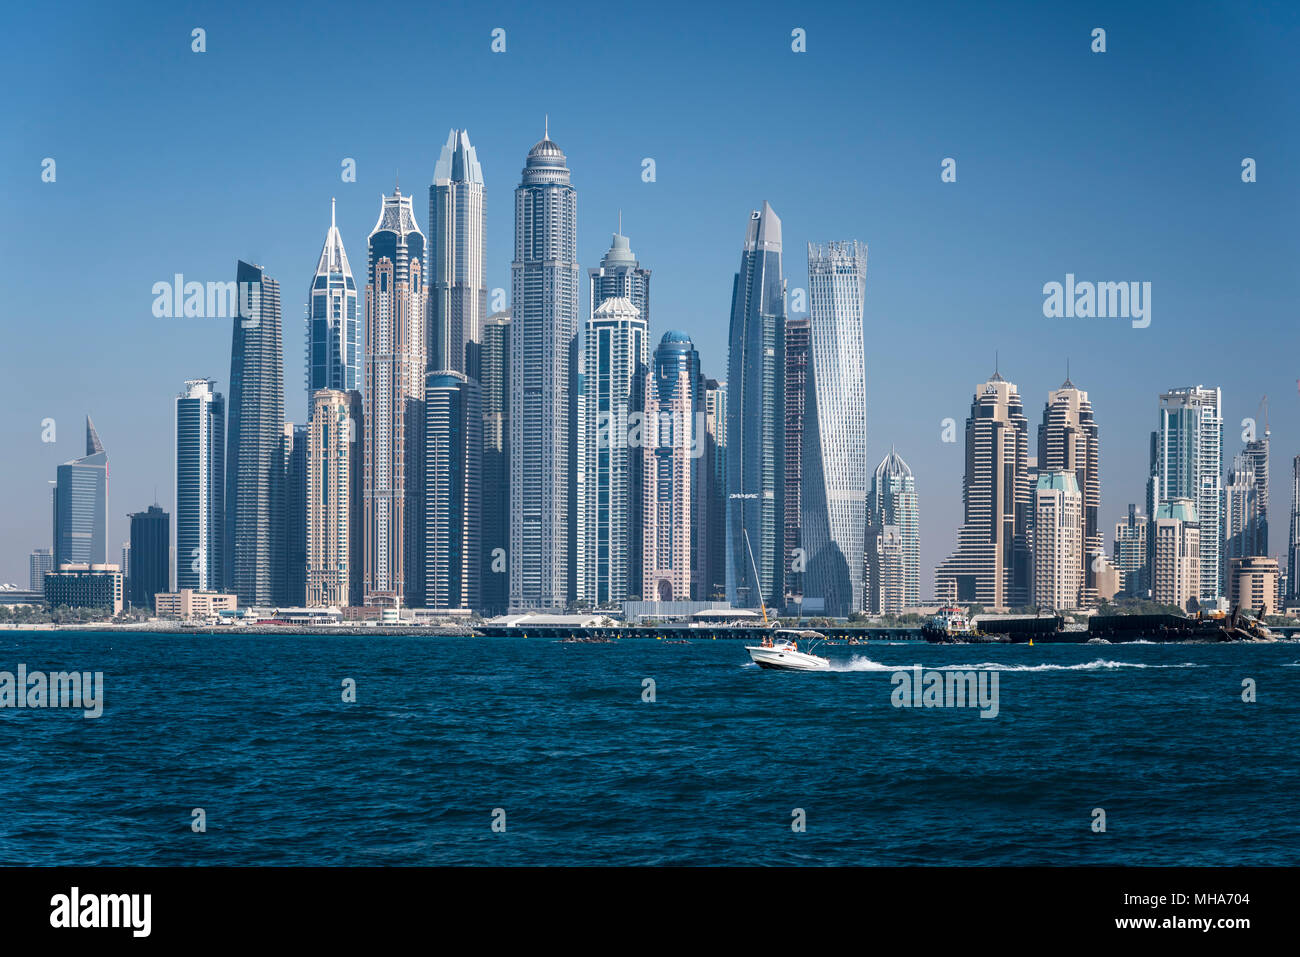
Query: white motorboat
x=781, y=652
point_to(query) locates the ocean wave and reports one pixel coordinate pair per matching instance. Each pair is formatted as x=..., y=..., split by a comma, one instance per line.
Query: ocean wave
x=859, y=663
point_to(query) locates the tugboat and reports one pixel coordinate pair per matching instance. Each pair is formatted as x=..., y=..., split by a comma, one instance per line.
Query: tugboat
x=949, y=627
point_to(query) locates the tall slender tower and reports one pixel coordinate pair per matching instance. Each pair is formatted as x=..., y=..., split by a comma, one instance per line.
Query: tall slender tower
x=254, y=544
x=797, y=347
x=1058, y=581
x=834, y=458
x=756, y=419
x=711, y=525
x=1293, y=537
x=200, y=485
x=81, y=506
x=893, y=539
x=673, y=437
x=617, y=354
x=1068, y=441
x=453, y=491
x=294, y=589
x=991, y=564
x=1187, y=462
x=543, y=378
x=394, y=407
x=333, y=323
x=335, y=488
x=457, y=280
x=495, y=393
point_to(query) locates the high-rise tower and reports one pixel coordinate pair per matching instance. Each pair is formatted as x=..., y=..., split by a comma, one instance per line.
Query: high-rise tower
x=756, y=419
x=81, y=506
x=200, y=486
x=253, y=551
x=991, y=564
x=617, y=354
x=893, y=539
x=456, y=276
x=333, y=324
x=1068, y=442
x=543, y=380
x=834, y=457
x=394, y=407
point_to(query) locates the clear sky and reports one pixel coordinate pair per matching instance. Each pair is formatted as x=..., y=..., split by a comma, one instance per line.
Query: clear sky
x=1115, y=166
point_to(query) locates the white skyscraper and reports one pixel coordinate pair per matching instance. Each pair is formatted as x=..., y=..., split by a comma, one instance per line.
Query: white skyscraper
x=1187, y=462
x=617, y=354
x=834, y=455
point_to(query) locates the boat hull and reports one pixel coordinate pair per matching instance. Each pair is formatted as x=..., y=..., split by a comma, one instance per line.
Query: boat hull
x=779, y=659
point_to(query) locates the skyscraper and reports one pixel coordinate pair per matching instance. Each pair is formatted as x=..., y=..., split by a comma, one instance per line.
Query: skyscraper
x=1176, y=554
x=617, y=354
x=151, y=544
x=620, y=276
x=797, y=340
x=711, y=521
x=1131, y=552
x=834, y=455
x=453, y=487
x=756, y=419
x=333, y=322
x=81, y=506
x=495, y=396
x=200, y=486
x=1068, y=440
x=672, y=438
x=893, y=539
x=253, y=551
x=335, y=488
x=1187, y=462
x=294, y=590
x=991, y=564
x=39, y=562
x=1058, y=569
x=1293, y=538
x=394, y=407
x=456, y=278
x=543, y=374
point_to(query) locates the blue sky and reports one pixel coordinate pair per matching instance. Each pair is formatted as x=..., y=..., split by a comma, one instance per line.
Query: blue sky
x=1122, y=166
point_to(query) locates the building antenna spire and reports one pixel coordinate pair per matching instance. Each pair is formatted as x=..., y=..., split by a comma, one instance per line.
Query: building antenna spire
x=546, y=126
x=331, y=212
x=620, y=222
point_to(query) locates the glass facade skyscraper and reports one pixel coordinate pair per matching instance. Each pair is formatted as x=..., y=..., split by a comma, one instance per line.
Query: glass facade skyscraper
x=253, y=551
x=893, y=539
x=1187, y=462
x=494, y=369
x=453, y=443
x=756, y=419
x=151, y=548
x=81, y=506
x=200, y=485
x=455, y=270
x=834, y=455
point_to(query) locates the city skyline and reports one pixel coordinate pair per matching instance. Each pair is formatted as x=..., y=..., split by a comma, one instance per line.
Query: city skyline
x=1123, y=367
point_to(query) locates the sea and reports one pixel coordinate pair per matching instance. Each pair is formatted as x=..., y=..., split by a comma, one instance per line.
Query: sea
x=237, y=749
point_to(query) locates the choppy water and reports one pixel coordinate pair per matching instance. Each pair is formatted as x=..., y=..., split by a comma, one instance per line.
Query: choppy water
x=254, y=731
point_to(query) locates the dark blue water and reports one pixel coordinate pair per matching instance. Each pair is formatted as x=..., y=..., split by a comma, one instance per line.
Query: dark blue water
x=254, y=731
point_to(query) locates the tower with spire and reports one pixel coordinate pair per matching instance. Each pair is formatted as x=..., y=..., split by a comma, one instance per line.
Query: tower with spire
x=544, y=462
x=333, y=324
x=81, y=505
